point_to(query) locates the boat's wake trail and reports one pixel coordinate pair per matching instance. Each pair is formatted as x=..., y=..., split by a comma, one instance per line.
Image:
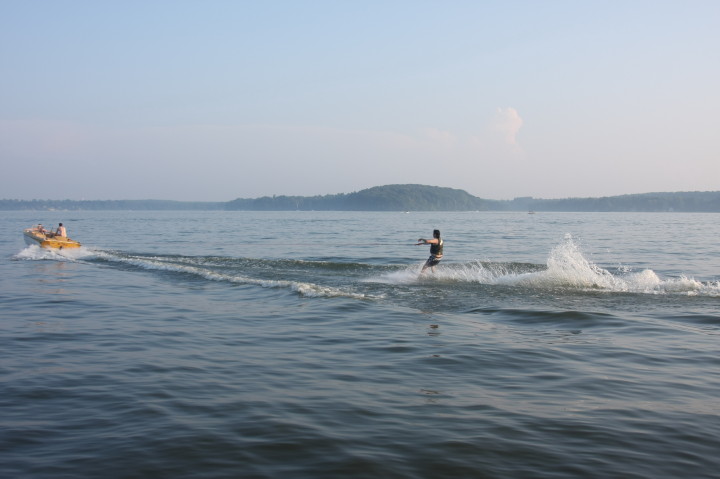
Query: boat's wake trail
x=566, y=268
x=231, y=270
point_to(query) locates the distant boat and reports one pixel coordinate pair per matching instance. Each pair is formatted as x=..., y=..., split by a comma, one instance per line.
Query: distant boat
x=531, y=212
x=46, y=239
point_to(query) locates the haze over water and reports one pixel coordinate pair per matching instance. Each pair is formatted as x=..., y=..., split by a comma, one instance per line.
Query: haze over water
x=306, y=344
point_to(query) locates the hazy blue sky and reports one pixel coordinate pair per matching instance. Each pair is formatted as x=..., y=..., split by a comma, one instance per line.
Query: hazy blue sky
x=214, y=100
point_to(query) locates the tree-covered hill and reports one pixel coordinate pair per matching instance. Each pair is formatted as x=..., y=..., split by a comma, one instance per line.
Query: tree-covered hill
x=378, y=198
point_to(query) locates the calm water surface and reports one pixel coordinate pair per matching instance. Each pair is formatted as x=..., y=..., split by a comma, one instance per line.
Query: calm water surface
x=306, y=345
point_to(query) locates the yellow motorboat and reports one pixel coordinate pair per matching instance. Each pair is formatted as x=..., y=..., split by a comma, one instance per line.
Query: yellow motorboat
x=47, y=239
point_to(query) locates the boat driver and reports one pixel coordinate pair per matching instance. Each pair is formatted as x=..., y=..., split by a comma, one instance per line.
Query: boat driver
x=61, y=231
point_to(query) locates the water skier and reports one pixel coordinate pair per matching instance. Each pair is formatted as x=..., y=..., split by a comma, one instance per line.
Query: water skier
x=436, y=250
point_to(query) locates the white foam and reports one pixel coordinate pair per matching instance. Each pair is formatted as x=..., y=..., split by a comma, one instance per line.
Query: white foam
x=36, y=253
x=407, y=275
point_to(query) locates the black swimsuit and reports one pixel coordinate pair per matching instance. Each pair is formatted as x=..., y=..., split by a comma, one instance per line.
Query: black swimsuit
x=436, y=252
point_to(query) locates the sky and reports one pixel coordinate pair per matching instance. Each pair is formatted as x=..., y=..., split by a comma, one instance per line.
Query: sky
x=215, y=100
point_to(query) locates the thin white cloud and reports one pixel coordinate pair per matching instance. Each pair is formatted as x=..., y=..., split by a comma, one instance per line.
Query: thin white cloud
x=507, y=123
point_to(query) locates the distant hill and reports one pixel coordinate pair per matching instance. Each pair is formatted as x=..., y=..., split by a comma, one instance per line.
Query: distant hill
x=400, y=198
x=378, y=198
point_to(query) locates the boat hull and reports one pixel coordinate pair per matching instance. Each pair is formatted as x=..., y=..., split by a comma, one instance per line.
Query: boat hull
x=34, y=237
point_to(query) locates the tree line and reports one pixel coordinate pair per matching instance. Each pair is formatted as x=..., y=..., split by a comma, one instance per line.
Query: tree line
x=399, y=198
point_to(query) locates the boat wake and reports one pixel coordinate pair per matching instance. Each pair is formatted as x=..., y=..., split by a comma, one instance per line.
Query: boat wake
x=566, y=269
x=231, y=270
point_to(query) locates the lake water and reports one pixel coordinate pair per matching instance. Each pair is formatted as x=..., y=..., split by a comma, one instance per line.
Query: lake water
x=307, y=345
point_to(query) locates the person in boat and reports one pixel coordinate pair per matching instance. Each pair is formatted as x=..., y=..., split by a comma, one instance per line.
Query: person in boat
x=40, y=229
x=436, y=250
x=61, y=231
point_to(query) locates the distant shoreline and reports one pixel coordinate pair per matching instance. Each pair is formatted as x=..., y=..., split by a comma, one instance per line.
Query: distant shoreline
x=396, y=198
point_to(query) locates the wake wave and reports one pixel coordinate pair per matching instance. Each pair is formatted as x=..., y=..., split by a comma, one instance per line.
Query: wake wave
x=35, y=252
x=217, y=269
x=566, y=268
x=209, y=268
